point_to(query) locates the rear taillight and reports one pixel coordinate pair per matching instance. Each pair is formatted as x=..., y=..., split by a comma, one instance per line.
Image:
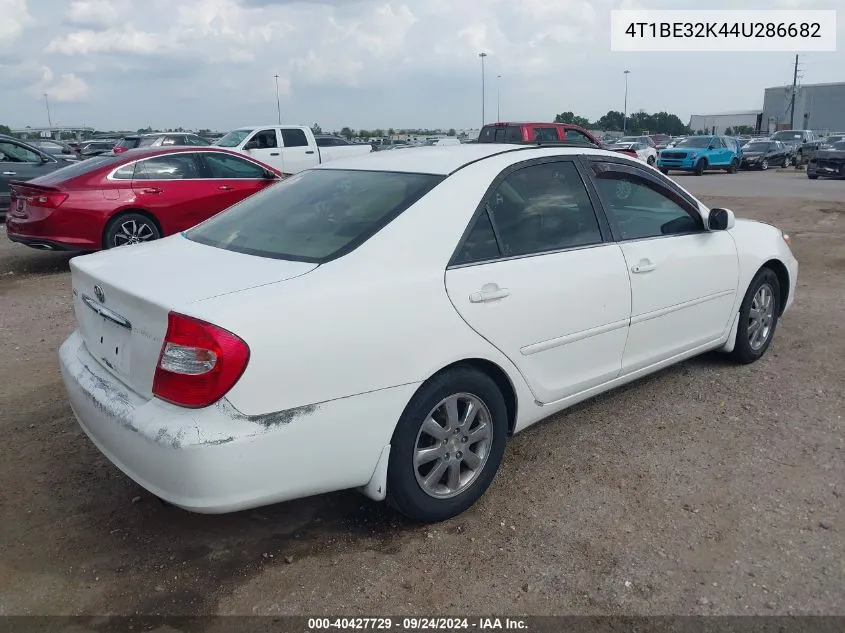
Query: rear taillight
x=199, y=362
x=117, y=149
x=47, y=200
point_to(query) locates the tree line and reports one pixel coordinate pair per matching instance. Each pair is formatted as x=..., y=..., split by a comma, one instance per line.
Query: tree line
x=635, y=123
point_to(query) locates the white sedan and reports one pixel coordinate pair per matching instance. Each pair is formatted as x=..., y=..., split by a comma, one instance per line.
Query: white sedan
x=645, y=153
x=388, y=322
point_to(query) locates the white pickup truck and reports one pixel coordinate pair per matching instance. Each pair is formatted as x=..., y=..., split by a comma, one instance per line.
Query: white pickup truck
x=289, y=148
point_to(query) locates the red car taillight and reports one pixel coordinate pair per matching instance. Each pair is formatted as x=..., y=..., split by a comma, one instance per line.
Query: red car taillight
x=118, y=150
x=47, y=200
x=199, y=362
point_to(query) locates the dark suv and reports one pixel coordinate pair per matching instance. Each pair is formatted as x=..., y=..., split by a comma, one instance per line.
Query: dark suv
x=158, y=139
x=22, y=161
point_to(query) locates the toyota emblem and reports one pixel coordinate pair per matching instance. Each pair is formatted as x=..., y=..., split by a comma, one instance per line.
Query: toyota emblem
x=98, y=292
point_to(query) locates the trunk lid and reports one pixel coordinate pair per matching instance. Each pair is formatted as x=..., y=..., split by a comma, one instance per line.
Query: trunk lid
x=122, y=297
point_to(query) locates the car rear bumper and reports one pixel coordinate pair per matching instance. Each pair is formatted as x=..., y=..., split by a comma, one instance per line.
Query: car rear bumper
x=217, y=459
x=39, y=233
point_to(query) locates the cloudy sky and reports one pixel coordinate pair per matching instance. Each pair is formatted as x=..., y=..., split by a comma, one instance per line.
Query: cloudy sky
x=362, y=63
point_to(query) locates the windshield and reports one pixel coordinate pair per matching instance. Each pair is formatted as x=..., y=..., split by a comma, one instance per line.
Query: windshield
x=695, y=141
x=314, y=216
x=787, y=136
x=233, y=138
x=757, y=147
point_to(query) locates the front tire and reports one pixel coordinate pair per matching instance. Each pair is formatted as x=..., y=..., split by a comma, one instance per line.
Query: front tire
x=130, y=228
x=734, y=167
x=758, y=317
x=786, y=162
x=650, y=160
x=447, y=445
x=664, y=171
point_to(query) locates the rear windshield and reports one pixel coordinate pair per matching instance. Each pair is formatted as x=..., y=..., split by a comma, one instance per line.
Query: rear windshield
x=502, y=134
x=314, y=216
x=128, y=143
x=73, y=170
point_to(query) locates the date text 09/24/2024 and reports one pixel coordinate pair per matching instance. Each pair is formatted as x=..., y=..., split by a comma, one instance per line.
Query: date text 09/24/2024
x=413, y=624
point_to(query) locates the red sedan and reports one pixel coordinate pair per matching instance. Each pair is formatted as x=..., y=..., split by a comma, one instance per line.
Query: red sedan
x=136, y=196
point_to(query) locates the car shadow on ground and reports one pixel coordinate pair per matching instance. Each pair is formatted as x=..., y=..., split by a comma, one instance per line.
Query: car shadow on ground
x=22, y=260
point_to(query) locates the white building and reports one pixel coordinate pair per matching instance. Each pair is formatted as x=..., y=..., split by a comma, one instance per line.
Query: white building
x=718, y=123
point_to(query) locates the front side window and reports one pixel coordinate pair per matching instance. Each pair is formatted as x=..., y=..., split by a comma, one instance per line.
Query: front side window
x=578, y=137
x=265, y=139
x=233, y=138
x=314, y=216
x=181, y=166
x=222, y=165
x=641, y=208
x=543, y=208
x=294, y=138
x=14, y=153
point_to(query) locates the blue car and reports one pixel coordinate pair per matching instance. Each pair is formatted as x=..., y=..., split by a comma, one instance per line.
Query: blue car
x=698, y=154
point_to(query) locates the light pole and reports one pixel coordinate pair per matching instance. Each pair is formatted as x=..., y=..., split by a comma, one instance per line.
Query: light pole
x=625, y=113
x=47, y=105
x=498, y=98
x=483, y=92
x=278, y=104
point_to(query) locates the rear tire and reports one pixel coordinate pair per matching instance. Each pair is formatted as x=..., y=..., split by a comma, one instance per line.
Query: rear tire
x=130, y=228
x=734, y=167
x=764, y=164
x=664, y=171
x=435, y=427
x=650, y=160
x=700, y=166
x=758, y=317
x=787, y=162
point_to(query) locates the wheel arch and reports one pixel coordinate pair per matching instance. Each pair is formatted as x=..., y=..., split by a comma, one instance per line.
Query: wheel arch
x=779, y=269
x=497, y=375
x=117, y=214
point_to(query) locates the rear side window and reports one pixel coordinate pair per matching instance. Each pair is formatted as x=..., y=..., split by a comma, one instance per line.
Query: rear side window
x=314, y=216
x=181, y=166
x=294, y=138
x=546, y=134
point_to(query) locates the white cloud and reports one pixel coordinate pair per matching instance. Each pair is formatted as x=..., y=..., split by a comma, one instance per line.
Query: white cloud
x=14, y=17
x=90, y=12
x=68, y=87
x=125, y=39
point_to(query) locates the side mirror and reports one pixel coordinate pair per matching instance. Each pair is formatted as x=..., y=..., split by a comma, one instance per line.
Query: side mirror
x=46, y=159
x=721, y=219
x=711, y=147
x=269, y=175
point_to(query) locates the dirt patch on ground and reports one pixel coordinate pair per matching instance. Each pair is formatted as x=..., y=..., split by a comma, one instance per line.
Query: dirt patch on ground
x=707, y=488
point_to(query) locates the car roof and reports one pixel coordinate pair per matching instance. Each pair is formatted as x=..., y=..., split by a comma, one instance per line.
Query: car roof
x=442, y=160
x=145, y=152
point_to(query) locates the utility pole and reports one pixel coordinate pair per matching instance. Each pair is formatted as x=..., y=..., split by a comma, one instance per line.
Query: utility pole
x=47, y=104
x=625, y=113
x=792, y=104
x=498, y=98
x=483, y=91
x=278, y=104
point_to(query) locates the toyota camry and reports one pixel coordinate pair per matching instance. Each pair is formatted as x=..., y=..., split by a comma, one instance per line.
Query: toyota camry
x=386, y=323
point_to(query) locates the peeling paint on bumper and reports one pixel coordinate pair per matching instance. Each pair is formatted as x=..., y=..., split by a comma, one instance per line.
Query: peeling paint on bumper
x=217, y=460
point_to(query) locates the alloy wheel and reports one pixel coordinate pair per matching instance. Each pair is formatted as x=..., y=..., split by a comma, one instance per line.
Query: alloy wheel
x=133, y=232
x=453, y=445
x=761, y=317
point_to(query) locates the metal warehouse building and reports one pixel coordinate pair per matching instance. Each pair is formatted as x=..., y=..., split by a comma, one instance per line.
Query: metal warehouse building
x=718, y=123
x=819, y=107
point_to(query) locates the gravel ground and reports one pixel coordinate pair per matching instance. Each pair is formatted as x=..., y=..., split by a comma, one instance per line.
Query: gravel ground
x=705, y=489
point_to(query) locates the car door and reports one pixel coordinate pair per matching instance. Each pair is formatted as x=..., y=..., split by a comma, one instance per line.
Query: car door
x=683, y=277
x=537, y=277
x=18, y=162
x=298, y=154
x=265, y=146
x=173, y=188
x=235, y=178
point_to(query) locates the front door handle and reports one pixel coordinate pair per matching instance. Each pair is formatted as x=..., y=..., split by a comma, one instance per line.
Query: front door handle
x=310, y=151
x=225, y=188
x=10, y=173
x=645, y=266
x=274, y=153
x=150, y=190
x=489, y=292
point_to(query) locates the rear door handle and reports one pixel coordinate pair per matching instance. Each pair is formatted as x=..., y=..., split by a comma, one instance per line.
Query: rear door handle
x=10, y=173
x=489, y=292
x=225, y=188
x=150, y=190
x=645, y=266
x=274, y=153
x=310, y=151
